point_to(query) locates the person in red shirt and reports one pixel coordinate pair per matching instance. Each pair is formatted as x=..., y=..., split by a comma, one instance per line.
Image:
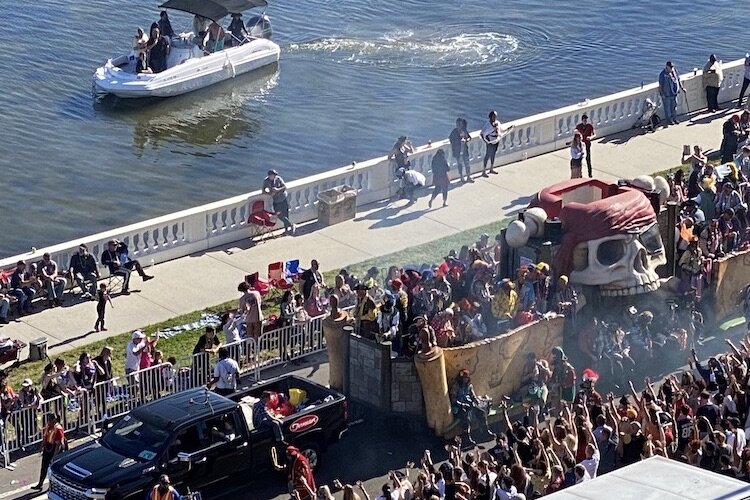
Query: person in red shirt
x=587, y=131
x=52, y=443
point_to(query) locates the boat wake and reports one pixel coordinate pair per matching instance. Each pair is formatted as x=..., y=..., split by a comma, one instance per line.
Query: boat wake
x=407, y=50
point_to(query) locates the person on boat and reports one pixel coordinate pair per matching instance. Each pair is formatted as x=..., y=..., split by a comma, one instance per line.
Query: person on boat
x=141, y=66
x=140, y=43
x=200, y=30
x=237, y=28
x=158, y=51
x=216, y=37
x=165, y=26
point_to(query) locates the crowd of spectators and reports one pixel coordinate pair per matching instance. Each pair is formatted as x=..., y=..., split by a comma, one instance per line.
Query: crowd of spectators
x=45, y=278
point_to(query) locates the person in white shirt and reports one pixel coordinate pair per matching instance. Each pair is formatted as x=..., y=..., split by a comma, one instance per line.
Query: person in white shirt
x=591, y=463
x=226, y=374
x=133, y=352
x=231, y=324
x=492, y=133
x=736, y=437
x=582, y=475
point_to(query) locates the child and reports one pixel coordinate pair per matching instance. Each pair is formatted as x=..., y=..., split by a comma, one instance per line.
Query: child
x=102, y=297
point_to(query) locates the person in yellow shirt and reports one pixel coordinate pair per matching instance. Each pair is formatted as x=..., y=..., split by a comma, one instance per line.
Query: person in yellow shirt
x=504, y=303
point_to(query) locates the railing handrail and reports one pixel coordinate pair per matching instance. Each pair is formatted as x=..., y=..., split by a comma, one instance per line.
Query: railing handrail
x=201, y=235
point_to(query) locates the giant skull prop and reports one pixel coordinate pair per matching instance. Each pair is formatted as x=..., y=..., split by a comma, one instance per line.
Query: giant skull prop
x=610, y=236
x=624, y=264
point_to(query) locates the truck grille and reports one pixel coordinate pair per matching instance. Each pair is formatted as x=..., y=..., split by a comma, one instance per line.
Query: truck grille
x=66, y=489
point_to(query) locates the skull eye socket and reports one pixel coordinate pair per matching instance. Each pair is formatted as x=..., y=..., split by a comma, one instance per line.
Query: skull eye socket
x=610, y=252
x=651, y=239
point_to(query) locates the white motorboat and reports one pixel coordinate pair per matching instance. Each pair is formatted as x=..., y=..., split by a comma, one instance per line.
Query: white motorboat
x=189, y=66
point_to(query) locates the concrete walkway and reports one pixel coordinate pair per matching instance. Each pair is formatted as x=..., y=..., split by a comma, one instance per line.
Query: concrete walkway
x=205, y=279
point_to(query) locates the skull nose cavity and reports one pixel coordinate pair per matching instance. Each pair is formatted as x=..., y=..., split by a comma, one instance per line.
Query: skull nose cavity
x=641, y=261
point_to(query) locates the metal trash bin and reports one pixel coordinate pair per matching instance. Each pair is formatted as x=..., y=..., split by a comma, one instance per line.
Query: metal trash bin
x=337, y=205
x=38, y=349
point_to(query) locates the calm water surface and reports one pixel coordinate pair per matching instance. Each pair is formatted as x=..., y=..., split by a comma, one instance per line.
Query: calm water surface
x=353, y=75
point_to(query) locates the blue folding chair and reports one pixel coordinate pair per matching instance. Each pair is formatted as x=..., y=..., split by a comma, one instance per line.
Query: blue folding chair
x=291, y=268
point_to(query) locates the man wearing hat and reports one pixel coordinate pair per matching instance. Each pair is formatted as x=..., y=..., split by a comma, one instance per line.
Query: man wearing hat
x=365, y=313
x=133, y=352
x=274, y=185
x=163, y=490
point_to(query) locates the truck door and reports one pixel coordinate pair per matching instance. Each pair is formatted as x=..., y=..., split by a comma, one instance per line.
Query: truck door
x=230, y=446
x=187, y=459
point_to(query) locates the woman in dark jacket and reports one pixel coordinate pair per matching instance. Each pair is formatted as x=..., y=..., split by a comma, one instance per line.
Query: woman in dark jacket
x=440, y=179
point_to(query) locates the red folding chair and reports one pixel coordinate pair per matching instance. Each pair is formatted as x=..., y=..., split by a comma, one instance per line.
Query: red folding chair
x=260, y=220
x=258, y=283
x=277, y=276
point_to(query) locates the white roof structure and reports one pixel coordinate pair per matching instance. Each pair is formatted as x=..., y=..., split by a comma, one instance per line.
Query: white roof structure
x=657, y=478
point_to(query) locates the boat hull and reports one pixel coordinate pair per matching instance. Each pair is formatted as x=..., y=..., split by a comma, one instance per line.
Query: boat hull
x=190, y=74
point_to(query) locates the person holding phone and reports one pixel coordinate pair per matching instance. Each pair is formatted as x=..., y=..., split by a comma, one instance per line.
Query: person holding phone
x=492, y=133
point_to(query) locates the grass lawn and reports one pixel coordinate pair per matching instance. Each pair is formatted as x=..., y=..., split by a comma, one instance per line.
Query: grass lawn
x=181, y=345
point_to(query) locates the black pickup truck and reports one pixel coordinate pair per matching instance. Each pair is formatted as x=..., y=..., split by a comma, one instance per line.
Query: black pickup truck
x=198, y=438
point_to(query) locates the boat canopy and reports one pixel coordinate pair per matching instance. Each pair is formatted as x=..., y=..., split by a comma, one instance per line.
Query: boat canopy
x=213, y=9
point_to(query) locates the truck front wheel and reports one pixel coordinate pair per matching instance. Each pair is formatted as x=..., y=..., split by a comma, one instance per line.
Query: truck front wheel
x=311, y=451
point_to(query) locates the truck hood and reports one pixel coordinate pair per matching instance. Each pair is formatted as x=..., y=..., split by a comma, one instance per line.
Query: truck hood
x=92, y=465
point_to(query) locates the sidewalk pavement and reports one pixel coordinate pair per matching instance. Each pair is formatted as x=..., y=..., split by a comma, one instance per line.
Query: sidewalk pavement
x=204, y=279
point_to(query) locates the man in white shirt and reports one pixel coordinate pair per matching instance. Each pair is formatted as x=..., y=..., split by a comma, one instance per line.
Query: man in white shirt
x=226, y=373
x=591, y=463
x=736, y=430
x=582, y=475
x=133, y=352
x=492, y=133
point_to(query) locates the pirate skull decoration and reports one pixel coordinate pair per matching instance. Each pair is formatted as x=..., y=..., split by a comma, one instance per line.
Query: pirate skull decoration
x=610, y=236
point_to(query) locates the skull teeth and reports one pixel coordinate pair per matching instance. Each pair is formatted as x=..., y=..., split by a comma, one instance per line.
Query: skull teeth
x=633, y=290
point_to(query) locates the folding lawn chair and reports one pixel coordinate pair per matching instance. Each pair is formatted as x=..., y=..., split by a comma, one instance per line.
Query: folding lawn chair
x=260, y=220
x=277, y=277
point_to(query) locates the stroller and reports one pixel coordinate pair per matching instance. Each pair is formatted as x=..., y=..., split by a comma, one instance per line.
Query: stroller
x=648, y=119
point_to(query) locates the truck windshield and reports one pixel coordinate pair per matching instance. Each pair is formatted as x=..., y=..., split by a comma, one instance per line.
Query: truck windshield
x=135, y=438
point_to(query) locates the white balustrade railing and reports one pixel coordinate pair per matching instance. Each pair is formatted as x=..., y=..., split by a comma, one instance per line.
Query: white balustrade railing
x=222, y=222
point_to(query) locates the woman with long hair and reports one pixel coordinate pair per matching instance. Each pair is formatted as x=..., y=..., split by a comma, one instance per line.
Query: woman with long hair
x=577, y=154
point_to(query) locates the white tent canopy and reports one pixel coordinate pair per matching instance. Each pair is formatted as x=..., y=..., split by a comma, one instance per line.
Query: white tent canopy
x=657, y=478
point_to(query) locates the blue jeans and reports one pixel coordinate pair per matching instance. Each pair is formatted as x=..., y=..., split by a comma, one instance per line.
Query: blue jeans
x=56, y=288
x=4, y=308
x=24, y=295
x=670, y=107
x=462, y=162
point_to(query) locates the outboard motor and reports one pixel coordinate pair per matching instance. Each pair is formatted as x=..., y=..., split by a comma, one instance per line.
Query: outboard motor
x=259, y=27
